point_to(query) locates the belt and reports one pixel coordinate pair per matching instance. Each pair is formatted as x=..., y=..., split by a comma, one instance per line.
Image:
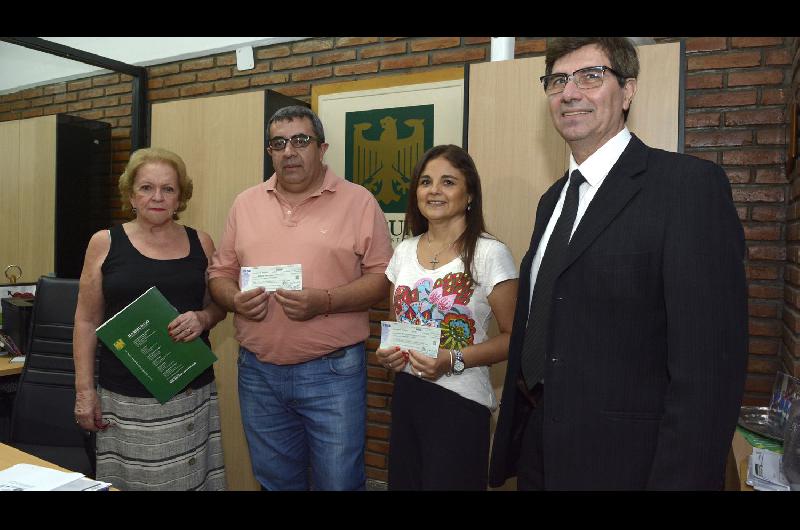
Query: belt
x=533, y=396
x=335, y=354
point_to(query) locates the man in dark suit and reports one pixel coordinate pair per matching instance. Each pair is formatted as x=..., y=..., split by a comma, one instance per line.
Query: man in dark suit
x=628, y=352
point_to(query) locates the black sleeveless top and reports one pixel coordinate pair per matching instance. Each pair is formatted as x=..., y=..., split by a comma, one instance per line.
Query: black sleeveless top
x=126, y=275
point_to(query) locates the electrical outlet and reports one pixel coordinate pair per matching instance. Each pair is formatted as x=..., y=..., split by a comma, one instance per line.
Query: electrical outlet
x=244, y=58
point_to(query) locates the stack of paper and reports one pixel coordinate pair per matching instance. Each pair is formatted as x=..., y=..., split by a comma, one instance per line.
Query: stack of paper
x=764, y=471
x=28, y=477
x=84, y=484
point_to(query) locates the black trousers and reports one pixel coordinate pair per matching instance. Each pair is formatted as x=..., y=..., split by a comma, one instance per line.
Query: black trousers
x=439, y=440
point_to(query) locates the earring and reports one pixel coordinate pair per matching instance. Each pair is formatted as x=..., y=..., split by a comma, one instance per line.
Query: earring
x=134, y=211
x=469, y=205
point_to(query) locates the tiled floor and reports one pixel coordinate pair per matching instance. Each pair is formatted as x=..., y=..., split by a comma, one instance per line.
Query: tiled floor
x=375, y=485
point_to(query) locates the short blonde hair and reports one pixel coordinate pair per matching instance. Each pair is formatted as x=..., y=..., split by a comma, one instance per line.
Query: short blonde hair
x=144, y=156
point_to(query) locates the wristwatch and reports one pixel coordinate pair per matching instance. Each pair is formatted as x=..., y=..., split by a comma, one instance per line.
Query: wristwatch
x=458, y=363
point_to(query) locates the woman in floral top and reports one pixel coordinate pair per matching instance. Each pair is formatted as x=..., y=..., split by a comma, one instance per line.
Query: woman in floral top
x=451, y=275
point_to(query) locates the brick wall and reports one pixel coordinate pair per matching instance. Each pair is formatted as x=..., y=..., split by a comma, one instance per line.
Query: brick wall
x=790, y=351
x=737, y=90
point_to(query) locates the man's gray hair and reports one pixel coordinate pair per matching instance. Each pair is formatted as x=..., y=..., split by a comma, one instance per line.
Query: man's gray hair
x=298, y=111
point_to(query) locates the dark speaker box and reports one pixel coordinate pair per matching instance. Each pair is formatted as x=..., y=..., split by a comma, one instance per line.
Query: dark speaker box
x=17, y=320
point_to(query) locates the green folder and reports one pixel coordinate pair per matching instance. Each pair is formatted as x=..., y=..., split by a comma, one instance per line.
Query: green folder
x=139, y=338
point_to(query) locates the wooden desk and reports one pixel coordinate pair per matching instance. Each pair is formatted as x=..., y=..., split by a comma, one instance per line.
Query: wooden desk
x=10, y=456
x=9, y=368
x=736, y=471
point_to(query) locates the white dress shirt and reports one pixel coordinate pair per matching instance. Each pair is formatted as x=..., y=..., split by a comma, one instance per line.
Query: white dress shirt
x=594, y=169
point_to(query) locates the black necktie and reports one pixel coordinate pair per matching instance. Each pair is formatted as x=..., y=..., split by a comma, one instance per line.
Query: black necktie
x=535, y=342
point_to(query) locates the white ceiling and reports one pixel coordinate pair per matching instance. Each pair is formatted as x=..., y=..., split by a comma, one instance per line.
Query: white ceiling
x=22, y=67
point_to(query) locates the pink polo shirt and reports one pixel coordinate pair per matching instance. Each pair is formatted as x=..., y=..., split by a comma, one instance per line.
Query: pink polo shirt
x=337, y=235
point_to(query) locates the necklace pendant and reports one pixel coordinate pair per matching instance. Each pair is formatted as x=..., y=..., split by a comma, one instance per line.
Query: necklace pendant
x=434, y=262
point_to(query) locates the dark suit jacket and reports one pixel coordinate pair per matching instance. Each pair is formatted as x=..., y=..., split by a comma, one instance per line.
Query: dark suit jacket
x=647, y=346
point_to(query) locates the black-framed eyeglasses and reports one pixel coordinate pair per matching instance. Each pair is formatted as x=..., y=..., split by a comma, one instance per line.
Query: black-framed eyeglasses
x=589, y=77
x=298, y=141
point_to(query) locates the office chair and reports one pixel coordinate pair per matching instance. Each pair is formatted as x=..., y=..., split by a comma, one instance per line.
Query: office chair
x=42, y=422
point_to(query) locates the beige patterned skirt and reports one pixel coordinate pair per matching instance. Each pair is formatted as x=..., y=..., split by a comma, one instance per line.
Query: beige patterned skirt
x=149, y=446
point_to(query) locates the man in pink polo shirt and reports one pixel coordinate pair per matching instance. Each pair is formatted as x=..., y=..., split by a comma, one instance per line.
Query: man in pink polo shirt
x=302, y=374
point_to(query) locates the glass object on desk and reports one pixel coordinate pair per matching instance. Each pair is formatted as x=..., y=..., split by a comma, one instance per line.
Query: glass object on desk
x=770, y=421
x=791, y=446
x=762, y=421
x=785, y=390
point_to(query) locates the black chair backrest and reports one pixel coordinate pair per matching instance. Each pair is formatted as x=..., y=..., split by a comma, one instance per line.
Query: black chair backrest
x=43, y=406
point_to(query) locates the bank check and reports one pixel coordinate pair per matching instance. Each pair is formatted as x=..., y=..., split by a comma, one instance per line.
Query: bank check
x=423, y=339
x=272, y=277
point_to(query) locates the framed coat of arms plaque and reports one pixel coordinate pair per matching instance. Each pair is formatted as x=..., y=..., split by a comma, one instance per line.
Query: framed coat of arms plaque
x=379, y=128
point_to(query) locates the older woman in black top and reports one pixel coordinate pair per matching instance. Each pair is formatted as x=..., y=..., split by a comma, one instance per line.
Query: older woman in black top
x=142, y=444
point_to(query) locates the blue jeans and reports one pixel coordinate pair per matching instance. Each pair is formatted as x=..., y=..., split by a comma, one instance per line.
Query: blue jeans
x=311, y=414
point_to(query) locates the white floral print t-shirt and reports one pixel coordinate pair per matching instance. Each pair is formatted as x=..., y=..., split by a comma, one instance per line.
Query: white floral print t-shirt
x=447, y=299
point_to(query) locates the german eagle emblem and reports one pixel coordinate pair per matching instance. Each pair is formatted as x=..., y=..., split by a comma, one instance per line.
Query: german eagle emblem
x=384, y=166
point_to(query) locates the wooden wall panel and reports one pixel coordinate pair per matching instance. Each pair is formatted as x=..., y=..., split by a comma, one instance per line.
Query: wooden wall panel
x=654, y=115
x=37, y=196
x=221, y=139
x=9, y=195
x=27, y=196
